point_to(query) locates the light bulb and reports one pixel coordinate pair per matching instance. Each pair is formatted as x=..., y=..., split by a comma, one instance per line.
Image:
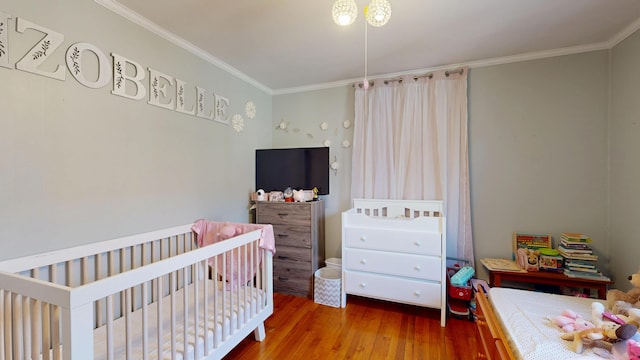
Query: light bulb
x=344, y=12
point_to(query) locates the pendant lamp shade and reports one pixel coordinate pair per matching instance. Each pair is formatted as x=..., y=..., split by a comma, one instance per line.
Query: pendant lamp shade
x=378, y=12
x=344, y=12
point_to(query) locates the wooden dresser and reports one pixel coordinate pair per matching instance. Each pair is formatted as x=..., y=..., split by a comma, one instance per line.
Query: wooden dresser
x=299, y=233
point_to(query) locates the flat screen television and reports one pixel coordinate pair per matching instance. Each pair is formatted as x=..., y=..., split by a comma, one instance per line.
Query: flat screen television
x=298, y=168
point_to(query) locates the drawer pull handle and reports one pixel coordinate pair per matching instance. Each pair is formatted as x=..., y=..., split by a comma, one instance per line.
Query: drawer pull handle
x=282, y=278
x=416, y=293
x=283, y=235
x=282, y=257
x=417, y=267
x=363, y=238
x=363, y=285
x=363, y=261
x=417, y=243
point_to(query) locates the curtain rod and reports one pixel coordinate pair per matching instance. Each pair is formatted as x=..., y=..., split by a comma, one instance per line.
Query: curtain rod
x=416, y=77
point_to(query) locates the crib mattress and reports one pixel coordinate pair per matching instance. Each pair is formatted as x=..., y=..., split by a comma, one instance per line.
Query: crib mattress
x=232, y=311
x=524, y=319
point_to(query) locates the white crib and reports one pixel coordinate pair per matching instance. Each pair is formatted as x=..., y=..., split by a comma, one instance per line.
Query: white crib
x=147, y=296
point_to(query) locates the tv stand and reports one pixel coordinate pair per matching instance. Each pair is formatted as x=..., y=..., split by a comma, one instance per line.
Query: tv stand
x=299, y=234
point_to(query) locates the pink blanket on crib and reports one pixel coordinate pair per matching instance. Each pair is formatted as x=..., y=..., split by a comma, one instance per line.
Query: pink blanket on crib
x=210, y=232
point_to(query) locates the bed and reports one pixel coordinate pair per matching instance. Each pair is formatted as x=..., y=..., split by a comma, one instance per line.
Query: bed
x=395, y=250
x=169, y=294
x=514, y=324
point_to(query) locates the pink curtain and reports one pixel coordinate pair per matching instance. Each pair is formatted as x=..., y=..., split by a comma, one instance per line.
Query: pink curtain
x=410, y=142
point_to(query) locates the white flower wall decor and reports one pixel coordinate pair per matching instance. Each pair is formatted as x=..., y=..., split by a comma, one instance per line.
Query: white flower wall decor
x=324, y=126
x=237, y=122
x=250, y=109
x=346, y=144
x=346, y=124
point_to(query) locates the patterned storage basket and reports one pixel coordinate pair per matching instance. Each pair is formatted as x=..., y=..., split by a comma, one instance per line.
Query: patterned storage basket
x=327, y=286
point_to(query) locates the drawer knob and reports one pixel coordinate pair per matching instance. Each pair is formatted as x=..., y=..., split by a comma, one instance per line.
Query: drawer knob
x=416, y=243
x=417, y=267
x=363, y=261
x=416, y=293
x=363, y=285
x=363, y=238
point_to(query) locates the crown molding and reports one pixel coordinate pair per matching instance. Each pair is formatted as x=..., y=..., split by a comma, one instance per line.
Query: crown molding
x=140, y=20
x=625, y=33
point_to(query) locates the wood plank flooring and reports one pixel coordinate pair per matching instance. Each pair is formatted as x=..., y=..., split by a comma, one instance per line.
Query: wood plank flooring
x=365, y=329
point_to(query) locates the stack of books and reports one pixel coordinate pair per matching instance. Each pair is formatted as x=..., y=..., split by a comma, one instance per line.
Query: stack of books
x=579, y=259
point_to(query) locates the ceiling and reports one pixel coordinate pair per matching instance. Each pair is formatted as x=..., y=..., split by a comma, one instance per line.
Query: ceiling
x=292, y=45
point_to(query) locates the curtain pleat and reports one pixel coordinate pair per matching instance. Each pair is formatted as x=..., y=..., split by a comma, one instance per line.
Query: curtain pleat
x=410, y=142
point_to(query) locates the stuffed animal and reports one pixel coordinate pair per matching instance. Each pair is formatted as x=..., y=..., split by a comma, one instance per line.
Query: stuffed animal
x=570, y=321
x=602, y=336
x=631, y=297
x=528, y=259
x=298, y=195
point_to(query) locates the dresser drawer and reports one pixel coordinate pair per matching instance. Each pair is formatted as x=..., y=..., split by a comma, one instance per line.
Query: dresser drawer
x=406, y=241
x=420, y=267
x=283, y=213
x=423, y=293
x=291, y=235
x=293, y=254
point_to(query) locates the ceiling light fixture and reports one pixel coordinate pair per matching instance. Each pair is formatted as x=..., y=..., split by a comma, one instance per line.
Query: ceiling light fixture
x=378, y=12
x=344, y=12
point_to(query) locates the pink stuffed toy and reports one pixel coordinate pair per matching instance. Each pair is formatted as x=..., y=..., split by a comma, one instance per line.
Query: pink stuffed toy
x=229, y=231
x=633, y=349
x=570, y=321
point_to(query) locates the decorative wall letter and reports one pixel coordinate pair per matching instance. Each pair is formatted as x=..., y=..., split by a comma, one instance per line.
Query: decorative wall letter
x=120, y=78
x=41, y=51
x=158, y=89
x=74, y=64
x=200, y=104
x=221, y=104
x=4, y=39
x=180, y=98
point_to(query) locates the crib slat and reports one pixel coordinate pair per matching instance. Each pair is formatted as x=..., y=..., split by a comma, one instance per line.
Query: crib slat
x=127, y=322
x=99, y=303
x=185, y=312
x=110, y=312
x=26, y=326
x=196, y=310
x=205, y=290
x=17, y=326
x=4, y=322
x=55, y=332
x=145, y=322
x=160, y=317
x=173, y=314
x=46, y=330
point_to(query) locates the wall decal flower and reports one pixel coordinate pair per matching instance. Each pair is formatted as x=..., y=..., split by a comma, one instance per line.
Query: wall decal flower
x=346, y=124
x=345, y=143
x=237, y=122
x=324, y=126
x=250, y=109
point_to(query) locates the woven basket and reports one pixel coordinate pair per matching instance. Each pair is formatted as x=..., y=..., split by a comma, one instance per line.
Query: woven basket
x=327, y=287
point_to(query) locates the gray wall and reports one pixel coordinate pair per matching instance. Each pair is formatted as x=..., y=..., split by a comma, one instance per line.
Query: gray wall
x=625, y=160
x=538, y=150
x=79, y=165
x=304, y=112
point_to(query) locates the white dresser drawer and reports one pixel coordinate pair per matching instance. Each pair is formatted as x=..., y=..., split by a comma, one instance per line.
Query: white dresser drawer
x=422, y=267
x=408, y=291
x=407, y=241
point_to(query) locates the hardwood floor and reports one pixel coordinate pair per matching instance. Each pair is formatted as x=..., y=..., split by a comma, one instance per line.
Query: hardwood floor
x=365, y=329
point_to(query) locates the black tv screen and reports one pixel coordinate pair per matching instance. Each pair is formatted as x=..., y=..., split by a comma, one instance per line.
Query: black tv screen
x=298, y=168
